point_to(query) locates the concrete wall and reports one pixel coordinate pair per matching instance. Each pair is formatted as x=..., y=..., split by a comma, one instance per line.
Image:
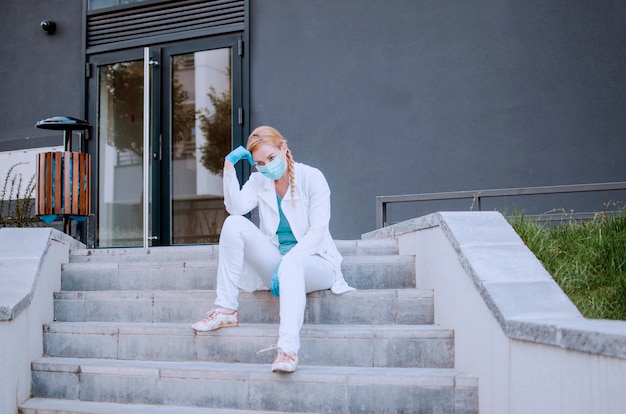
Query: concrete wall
x=43, y=75
x=415, y=96
x=515, y=329
x=30, y=271
x=393, y=97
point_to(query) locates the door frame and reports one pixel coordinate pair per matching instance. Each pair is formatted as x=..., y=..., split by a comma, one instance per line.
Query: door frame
x=163, y=227
x=159, y=173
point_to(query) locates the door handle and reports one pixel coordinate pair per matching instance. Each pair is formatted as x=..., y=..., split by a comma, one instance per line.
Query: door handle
x=157, y=155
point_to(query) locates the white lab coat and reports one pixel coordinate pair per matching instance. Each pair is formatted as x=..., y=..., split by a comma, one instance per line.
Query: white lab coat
x=308, y=215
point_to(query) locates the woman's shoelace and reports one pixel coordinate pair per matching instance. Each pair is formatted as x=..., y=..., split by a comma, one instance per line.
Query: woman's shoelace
x=271, y=348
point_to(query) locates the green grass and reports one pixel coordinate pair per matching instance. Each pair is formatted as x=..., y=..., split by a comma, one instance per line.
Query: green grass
x=586, y=258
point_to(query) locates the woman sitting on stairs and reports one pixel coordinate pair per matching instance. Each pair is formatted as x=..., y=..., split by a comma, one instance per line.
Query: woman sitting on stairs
x=291, y=252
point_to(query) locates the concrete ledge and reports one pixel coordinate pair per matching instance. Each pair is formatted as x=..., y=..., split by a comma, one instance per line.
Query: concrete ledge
x=30, y=271
x=22, y=252
x=521, y=295
x=514, y=328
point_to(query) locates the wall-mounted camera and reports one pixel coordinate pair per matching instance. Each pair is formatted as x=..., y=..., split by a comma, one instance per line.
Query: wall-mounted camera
x=49, y=26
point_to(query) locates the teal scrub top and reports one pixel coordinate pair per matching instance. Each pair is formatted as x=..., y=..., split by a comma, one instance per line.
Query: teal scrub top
x=286, y=239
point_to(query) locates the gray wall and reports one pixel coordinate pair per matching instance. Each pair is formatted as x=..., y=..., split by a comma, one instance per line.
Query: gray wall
x=412, y=96
x=387, y=97
x=41, y=75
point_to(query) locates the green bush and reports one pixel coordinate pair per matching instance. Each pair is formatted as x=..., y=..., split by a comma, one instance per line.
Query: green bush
x=586, y=258
x=16, y=201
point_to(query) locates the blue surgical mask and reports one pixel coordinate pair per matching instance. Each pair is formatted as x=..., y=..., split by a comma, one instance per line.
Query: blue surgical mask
x=274, y=170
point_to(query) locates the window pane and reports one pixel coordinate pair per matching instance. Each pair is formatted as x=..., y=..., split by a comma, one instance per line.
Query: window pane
x=101, y=4
x=201, y=137
x=120, y=155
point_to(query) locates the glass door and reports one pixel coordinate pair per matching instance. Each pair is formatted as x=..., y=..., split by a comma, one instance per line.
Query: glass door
x=118, y=149
x=200, y=126
x=166, y=117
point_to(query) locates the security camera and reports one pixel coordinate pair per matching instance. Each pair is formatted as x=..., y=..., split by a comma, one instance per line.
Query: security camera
x=48, y=26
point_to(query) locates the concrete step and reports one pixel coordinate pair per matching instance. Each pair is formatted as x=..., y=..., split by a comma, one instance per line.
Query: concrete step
x=122, y=341
x=55, y=406
x=414, y=346
x=361, y=272
x=369, y=307
x=209, y=252
x=322, y=389
x=152, y=254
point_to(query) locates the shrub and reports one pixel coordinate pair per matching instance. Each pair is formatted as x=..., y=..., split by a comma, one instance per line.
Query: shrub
x=16, y=201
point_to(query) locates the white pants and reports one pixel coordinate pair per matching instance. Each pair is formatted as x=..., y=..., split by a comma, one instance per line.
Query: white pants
x=241, y=241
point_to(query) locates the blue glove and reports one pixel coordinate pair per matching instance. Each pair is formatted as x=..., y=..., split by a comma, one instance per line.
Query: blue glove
x=238, y=154
x=274, y=288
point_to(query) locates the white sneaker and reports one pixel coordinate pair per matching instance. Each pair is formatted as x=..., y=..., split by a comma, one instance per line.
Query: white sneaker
x=216, y=320
x=285, y=362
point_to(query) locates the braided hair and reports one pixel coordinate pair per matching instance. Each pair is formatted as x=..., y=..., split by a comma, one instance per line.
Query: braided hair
x=270, y=136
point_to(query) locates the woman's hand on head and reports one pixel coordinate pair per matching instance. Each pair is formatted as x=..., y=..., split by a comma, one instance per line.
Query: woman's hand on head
x=238, y=154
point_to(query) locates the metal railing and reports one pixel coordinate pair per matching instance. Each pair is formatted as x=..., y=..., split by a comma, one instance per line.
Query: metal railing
x=477, y=196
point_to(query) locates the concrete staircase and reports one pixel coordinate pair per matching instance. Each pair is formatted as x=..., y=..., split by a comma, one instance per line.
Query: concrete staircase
x=122, y=341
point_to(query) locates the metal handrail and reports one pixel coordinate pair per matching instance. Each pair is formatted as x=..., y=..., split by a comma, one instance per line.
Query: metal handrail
x=477, y=195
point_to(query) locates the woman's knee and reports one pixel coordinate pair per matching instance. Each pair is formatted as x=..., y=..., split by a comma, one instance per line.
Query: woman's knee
x=234, y=225
x=234, y=222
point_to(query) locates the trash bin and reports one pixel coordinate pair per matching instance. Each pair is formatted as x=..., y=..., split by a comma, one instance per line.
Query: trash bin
x=63, y=177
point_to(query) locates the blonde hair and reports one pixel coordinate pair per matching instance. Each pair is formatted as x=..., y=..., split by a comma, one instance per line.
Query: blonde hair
x=270, y=136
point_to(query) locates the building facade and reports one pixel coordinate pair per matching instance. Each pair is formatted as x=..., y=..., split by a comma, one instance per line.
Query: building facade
x=395, y=97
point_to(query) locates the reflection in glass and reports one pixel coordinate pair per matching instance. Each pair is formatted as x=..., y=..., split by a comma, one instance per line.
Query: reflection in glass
x=201, y=137
x=120, y=155
x=101, y=4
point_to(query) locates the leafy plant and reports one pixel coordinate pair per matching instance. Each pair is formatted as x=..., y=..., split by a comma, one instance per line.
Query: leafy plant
x=17, y=200
x=124, y=86
x=216, y=127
